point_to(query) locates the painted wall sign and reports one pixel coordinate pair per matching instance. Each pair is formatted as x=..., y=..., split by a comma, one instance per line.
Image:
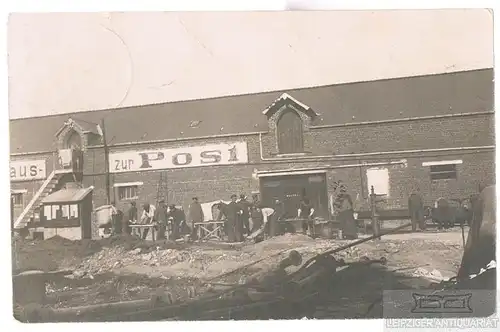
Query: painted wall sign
x=26, y=170
x=194, y=156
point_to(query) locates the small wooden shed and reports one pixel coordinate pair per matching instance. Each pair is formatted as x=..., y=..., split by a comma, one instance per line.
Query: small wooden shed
x=69, y=208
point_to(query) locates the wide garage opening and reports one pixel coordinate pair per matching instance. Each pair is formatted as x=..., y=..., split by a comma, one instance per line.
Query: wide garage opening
x=289, y=187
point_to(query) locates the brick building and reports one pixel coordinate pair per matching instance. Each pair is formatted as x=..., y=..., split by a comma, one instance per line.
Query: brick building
x=433, y=132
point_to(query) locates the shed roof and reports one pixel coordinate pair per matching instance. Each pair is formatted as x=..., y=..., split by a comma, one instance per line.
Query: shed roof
x=459, y=92
x=71, y=195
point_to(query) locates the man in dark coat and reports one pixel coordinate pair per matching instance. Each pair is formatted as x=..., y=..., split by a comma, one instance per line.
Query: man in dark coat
x=346, y=215
x=305, y=213
x=195, y=215
x=161, y=219
x=416, y=209
x=131, y=218
x=176, y=217
x=233, y=211
x=117, y=217
x=245, y=215
x=279, y=212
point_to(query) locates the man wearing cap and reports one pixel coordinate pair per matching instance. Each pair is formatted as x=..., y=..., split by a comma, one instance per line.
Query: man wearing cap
x=233, y=211
x=245, y=215
x=161, y=218
x=176, y=218
x=195, y=215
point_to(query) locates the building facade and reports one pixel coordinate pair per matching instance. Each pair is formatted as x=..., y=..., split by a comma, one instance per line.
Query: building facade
x=432, y=133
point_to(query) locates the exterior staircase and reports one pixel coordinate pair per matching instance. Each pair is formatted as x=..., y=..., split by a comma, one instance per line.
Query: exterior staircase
x=46, y=189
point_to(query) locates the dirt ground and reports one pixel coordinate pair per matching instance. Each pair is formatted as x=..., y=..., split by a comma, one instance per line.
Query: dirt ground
x=127, y=268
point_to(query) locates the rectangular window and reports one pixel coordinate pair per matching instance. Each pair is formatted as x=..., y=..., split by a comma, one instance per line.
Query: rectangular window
x=65, y=211
x=73, y=211
x=443, y=172
x=128, y=190
x=379, y=179
x=47, y=212
x=131, y=192
x=56, y=212
x=18, y=199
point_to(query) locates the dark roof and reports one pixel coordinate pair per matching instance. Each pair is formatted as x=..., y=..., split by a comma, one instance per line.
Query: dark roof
x=460, y=92
x=70, y=195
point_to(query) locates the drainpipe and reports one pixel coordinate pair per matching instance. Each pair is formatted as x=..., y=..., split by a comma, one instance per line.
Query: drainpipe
x=369, y=154
x=106, y=163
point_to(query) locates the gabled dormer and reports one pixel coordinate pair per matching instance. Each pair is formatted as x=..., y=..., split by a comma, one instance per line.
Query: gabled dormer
x=78, y=134
x=288, y=118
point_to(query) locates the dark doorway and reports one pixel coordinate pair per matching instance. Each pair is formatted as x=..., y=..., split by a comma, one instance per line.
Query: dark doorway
x=289, y=130
x=290, y=188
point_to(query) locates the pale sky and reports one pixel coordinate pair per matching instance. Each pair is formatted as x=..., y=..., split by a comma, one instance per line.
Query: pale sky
x=60, y=63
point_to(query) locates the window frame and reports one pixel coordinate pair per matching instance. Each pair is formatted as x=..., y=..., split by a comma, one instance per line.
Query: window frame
x=127, y=191
x=16, y=195
x=386, y=172
x=438, y=170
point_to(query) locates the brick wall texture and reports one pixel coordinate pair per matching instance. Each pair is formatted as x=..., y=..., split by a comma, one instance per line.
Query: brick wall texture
x=219, y=182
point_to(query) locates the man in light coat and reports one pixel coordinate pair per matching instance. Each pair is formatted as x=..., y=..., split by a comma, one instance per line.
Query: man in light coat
x=147, y=218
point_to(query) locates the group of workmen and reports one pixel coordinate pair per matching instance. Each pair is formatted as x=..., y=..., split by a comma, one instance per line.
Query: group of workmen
x=172, y=220
x=242, y=219
x=161, y=217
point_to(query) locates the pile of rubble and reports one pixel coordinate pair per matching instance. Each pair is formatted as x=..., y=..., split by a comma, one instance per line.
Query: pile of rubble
x=198, y=260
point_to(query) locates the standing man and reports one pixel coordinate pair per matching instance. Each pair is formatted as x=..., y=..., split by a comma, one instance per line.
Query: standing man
x=130, y=218
x=346, y=215
x=233, y=211
x=195, y=215
x=475, y=206
x=245, y=215
x=416, y=209
x=306, y=212
x=177, y=218
x=257, y=217
x=147, y=218
x=161, y=218
x=279, y=212
x=116, y=216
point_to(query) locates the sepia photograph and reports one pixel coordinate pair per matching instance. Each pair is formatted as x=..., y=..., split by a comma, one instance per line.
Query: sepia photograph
x=281, y=165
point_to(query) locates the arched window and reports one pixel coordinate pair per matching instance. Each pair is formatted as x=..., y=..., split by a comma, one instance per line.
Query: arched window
x=289, y=132
x=73, y=141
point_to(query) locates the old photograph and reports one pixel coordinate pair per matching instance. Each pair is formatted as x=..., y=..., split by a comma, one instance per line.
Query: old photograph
x=180, y=166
